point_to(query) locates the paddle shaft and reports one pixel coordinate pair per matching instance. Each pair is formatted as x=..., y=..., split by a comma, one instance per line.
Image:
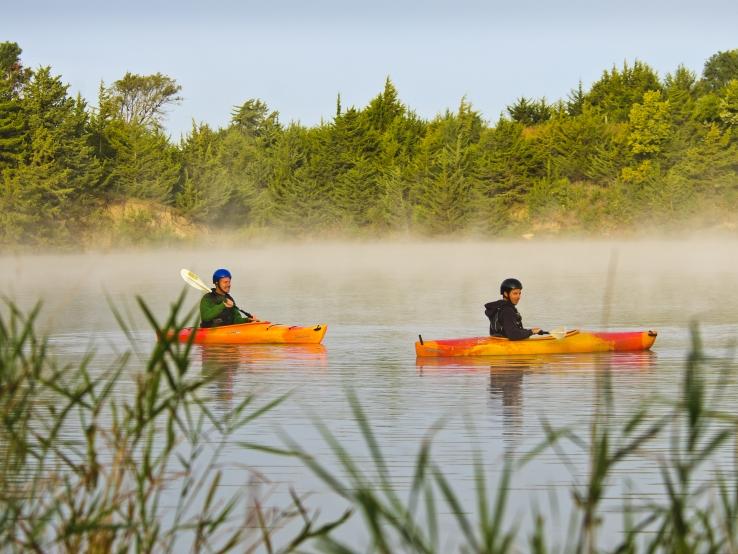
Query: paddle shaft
x=195, y=282
x=244, y=312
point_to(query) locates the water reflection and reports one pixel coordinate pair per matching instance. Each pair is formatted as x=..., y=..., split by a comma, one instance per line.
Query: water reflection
x=224, y=363
x=508, y=376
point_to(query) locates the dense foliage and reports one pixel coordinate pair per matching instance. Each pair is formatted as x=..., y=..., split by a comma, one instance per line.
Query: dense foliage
x=632, y=152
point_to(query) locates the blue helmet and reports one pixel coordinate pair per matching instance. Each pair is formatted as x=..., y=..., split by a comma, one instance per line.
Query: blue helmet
x=220, y=274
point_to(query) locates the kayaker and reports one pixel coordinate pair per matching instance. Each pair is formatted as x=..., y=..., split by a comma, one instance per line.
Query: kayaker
x=504, y=319
x=218, y=307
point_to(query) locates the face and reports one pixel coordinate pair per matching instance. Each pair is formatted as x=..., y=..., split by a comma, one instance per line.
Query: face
x=224, y=284
x=514, y=296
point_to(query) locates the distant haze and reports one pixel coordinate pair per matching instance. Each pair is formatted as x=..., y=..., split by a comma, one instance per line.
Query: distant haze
x=438, y=284
x=297, y=56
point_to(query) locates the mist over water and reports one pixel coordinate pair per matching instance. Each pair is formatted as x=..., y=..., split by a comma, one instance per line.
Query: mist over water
x=376, y=298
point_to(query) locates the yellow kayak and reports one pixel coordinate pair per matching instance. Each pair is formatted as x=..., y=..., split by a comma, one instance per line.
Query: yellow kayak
x=257, y=332
x=573, y=342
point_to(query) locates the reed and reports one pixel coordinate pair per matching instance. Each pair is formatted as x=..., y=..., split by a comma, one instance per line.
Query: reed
x=698, y=514
x=115, y=460
x=112, y=460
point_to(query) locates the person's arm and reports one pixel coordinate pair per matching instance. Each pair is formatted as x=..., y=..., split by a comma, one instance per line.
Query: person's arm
x=239, y=318
x=238, y=315
x=509, y=324
x=209, y=310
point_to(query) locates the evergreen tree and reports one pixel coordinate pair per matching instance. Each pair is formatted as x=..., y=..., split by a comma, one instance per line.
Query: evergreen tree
x=394, y=208
x=729, y=105
x=384, y=109
x=205, y=184
x=681, y=92
x=297, y=198
x=530, y=112
x=12, y=127
x=52, y=189
x=583, y=147
x=510, y=161
x=349, y=160
x=617, y=90
x=144, y=165
x=576, y=100
x=446, y=191
x=12, y=124
x=254, y=119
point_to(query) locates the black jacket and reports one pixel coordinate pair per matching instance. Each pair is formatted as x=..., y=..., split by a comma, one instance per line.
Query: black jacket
x=505, y=321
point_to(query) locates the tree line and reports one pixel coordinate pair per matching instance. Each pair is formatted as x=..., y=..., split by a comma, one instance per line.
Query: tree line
x=631, y=152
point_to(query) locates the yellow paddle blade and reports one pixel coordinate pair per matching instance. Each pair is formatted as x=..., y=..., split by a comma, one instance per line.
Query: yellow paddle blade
x=193, y=280
x=558, y=333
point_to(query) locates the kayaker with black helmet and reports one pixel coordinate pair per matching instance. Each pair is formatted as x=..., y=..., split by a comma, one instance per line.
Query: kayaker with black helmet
x=218, y=307
x=504, y=319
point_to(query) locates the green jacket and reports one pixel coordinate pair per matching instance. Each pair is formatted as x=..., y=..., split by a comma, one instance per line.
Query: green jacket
x=214, y=313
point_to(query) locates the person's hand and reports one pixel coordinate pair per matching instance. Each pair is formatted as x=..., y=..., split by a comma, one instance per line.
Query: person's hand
x=536, y=330
x=228, y=303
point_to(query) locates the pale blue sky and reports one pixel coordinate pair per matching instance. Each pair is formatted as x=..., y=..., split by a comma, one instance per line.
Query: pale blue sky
x=297, y=55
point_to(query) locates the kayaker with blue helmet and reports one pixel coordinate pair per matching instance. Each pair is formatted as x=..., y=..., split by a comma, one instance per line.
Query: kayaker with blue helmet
x=504, y=318
x=218, y=307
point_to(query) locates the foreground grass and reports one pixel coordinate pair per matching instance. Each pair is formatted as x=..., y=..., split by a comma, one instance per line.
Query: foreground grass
x=94, y=461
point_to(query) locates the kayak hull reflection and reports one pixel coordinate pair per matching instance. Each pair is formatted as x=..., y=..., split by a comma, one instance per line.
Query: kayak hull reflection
x=573, y=342
x=258, y=332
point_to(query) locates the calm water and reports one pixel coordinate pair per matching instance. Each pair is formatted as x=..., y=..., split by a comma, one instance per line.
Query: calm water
x=375, y=300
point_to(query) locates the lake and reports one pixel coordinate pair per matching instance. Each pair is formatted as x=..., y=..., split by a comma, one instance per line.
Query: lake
x=376, y=298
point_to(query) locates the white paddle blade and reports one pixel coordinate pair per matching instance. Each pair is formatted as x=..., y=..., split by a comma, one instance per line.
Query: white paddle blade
x=558, y=333
x=193, y=280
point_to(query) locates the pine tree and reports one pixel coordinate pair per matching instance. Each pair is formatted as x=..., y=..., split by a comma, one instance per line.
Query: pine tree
x=205, y=184
x=446, y=190
x=576, y=100
x=53, y=187
x=530, y=112
x=12, y=127
x=617, y=90
x=384, y=108
x=144, y=165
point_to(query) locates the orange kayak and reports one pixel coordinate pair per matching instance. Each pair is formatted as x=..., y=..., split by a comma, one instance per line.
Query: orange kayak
x=572, y=342
x=257, y=332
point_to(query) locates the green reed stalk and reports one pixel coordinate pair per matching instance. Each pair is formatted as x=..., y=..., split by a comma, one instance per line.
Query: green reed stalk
x=85, y=468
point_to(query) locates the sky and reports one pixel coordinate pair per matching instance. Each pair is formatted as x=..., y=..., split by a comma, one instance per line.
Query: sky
x=298, y=55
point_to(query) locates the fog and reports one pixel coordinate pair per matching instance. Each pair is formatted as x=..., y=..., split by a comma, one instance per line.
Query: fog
x=652, y=282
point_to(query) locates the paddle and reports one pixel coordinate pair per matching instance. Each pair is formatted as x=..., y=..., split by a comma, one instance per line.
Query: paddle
x=194, y=281
x=558, y=333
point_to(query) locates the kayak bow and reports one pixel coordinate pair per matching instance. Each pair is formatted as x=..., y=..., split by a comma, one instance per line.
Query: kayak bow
x=574, y=342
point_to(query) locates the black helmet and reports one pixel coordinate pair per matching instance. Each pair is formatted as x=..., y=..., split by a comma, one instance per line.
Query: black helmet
x=509, y=284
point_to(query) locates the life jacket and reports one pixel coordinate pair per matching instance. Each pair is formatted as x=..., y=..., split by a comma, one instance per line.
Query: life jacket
x=226, y=317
